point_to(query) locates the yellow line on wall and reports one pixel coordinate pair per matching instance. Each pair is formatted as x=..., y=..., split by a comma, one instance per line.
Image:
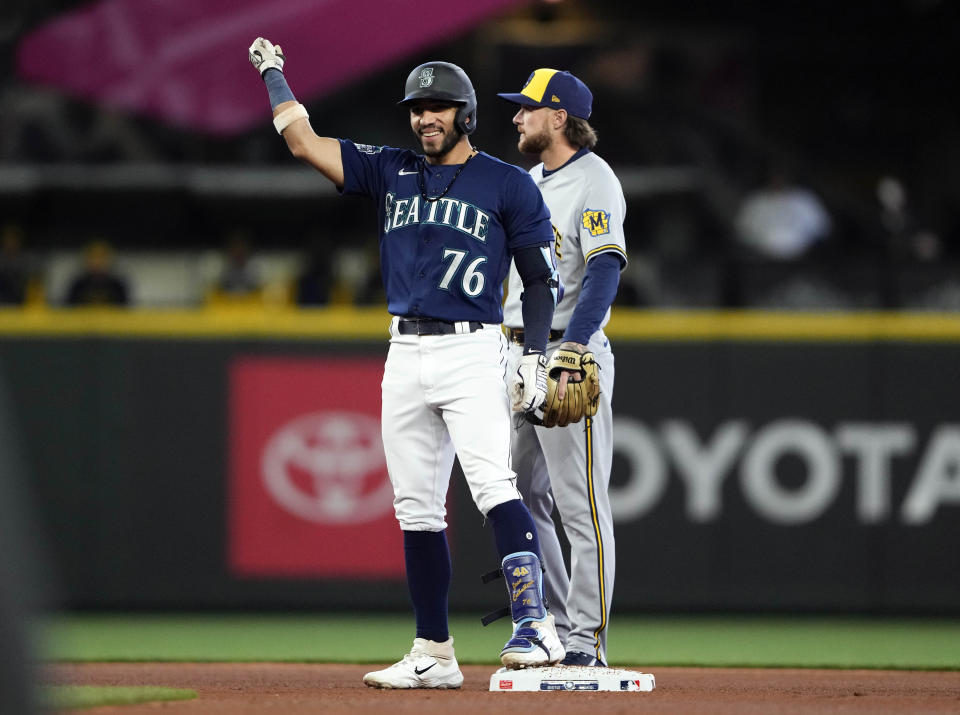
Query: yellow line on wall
x=347, y=323
x=211, y=323
x=781, y=326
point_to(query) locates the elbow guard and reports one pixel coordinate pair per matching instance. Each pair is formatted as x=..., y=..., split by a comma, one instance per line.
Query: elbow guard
x=553, y=278
x=556, y=286
x=535, y=265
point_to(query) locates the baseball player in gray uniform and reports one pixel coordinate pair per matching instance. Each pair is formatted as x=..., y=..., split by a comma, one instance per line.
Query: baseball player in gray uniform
x=570, y=466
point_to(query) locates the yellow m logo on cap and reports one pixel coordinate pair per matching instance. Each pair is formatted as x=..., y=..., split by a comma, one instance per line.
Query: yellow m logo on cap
x=536, y=86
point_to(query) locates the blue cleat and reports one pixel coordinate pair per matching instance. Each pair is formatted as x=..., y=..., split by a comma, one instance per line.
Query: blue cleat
x=575, y=657
x=534, y=641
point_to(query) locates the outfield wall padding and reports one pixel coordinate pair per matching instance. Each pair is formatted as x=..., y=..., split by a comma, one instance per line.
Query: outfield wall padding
x=757, y=474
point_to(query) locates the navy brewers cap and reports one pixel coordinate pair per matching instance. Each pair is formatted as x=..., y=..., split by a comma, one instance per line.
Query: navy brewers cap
x=554, y=89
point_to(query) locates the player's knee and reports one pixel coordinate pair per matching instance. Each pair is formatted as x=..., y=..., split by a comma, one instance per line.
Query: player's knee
x=423, y=525
x=495, y=494
x=414, y=513
x=413, y=521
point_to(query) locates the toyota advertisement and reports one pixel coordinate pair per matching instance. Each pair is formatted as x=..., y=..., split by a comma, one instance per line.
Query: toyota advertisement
x=755, y=475
x=309, y=491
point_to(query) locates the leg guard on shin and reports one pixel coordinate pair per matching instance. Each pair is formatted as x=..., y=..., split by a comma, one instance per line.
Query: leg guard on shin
x=534, y=641
x=524, y=578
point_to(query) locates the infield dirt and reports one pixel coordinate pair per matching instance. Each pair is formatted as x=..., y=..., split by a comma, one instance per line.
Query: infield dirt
x=301, y=689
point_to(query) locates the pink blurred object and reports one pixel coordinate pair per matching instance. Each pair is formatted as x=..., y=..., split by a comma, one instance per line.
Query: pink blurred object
x=185, y=61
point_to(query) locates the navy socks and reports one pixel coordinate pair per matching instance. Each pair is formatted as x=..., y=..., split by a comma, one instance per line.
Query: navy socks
x=513, y=528
x=429, y=571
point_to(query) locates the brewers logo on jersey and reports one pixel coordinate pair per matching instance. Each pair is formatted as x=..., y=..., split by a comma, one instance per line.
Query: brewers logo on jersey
x=597, y=222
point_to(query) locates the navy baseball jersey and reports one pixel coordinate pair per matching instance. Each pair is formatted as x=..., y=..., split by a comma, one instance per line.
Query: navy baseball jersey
x=447, y=258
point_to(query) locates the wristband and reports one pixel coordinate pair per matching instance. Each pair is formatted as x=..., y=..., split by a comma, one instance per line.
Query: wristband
x=288, y=116
x=277, y=87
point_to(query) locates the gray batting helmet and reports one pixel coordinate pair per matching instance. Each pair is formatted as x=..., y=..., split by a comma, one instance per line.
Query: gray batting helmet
x=447, y=82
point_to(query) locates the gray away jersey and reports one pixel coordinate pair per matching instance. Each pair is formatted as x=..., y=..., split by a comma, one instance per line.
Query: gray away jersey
x=587, y=209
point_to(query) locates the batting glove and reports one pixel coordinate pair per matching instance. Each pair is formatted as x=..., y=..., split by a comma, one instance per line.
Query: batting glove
x=264, y=55
x=530, y=385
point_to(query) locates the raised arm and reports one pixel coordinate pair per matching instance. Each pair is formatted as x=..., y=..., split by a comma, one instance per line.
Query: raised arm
x=290, y=117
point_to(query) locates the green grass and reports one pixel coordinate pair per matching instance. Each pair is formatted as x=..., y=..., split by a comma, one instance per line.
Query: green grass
x=639, y=641
x=63, y=697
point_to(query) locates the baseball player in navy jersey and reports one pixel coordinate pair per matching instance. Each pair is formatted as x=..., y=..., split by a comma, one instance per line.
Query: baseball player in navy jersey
x=570, y=466
x=450, y=220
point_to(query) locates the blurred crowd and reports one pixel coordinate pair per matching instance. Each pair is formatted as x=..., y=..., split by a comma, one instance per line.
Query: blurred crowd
x=235, y=274
x=782, y=249
x=780, y=245
x=761, y=168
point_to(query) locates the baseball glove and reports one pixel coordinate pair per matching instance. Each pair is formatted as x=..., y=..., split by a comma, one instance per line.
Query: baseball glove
x=582, y=395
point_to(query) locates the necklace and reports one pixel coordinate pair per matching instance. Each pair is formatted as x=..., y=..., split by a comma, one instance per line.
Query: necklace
x=421, y=183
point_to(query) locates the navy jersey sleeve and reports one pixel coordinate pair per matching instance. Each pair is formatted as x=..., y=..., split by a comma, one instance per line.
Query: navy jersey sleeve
x=526, y=217
x=365, y=166
x=597, y=291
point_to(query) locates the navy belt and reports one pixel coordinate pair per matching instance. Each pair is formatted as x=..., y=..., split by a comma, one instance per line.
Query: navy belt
x=516, y=335
x=431, y=326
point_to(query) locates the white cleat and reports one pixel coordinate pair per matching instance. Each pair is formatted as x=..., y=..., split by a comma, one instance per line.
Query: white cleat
x=428, y=665
x=534, y=643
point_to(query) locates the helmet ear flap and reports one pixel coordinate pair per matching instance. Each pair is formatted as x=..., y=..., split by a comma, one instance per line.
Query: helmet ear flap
x=466, y=119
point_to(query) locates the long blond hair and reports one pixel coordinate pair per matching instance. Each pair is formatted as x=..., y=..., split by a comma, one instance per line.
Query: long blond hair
x=579, y=133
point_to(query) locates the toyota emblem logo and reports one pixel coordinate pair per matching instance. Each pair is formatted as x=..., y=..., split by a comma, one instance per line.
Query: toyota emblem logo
x=329, y=468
